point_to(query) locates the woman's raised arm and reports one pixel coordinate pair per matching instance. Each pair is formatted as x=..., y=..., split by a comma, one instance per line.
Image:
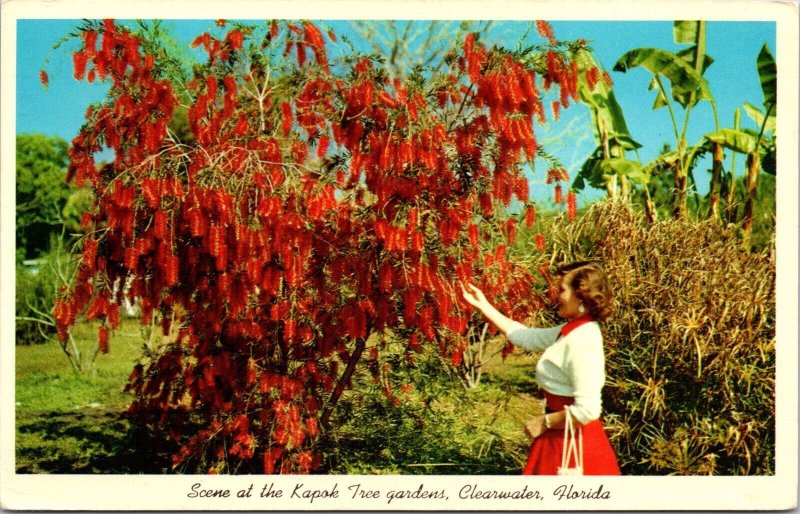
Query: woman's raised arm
x=477, y=299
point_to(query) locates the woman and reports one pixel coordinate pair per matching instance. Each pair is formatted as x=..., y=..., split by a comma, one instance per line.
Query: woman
x=571, y=370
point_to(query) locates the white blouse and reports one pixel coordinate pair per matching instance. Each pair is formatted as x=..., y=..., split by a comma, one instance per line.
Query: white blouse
x=572, y=365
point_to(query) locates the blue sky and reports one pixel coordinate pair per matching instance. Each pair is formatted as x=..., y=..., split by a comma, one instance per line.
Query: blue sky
x=732, y=78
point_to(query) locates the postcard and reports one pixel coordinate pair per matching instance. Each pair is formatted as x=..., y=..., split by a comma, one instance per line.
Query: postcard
x=399, y=256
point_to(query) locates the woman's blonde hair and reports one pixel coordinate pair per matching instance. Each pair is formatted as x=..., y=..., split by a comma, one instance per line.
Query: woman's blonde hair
x=590, y=284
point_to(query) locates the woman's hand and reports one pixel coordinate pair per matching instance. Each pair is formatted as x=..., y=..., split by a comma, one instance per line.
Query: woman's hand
x=535, y=427
x=475, y=297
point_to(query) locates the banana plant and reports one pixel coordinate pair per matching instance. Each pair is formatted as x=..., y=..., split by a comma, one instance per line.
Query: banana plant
x=684, y=72
x=607, y=167
x=759, y=146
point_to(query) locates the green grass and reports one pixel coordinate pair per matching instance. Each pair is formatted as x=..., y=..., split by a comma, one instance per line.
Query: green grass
x=74, y=422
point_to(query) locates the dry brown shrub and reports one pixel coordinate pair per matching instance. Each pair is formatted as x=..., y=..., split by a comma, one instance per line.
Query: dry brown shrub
x=691, y=349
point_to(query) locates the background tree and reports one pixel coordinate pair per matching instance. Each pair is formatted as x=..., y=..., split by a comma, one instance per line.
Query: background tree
x=41, y=193
x=687, y=86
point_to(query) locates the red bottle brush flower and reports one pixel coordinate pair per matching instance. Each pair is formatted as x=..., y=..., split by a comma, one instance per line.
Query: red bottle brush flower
x=79, y=60
x=314, y=39
x=44, y=78
x=90, y=42
x=286, y=125
x=546, y=31
x=469, y=44
x=559, y=195
x=530, y=215
x=572, y=207
x=557, y=175
x=556, y=109
x=131, y=258
x=171, y=266
x=103, y=338
x=89, y=253
x=592, y=77
x=322, y=146
x=472, y=235
x=235, y=39
x=417, y=242
x=511, y=230
x=539, y=241
x=301, y=53
x=607, y=79
x=554, y=66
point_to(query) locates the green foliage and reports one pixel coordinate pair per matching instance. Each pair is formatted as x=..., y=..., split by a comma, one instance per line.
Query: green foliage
x=36, y=291
x=690, y=352
x=41, y=192
x=434, y=425
x=683, y=78
x=768, y=76
x=763, y=221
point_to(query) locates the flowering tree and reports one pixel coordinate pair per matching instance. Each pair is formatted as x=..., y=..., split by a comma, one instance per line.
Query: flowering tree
x=315, y=204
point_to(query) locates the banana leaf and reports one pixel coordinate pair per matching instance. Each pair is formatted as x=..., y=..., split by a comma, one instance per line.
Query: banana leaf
x=685, y=31
x=736, y=140
x=688, y=54
x=623, y=140
x=601, y=100
x=597, y=171
x=660, y=100
x=661, y=163
x=683, y=78
x=623, y=167
x=768, y=75
x=589, y=172
x=758, y=117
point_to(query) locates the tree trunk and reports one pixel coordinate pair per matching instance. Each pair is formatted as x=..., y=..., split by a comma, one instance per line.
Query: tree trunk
x=470, y=369
x=716, y=177
x=649, y=206
x=679, y=209
x=753, y=167
x=342, y=383
x=733, y=211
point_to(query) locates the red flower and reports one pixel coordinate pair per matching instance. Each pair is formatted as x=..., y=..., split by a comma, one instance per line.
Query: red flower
x=559, y=196
x=322, y=146
x=103, y=339
x=556, y=107
x=572, y=207
x=539, y=241
x=545, y=30
x=44, y=79
x=235, y=38
x=79, y=60
x=286, y=111
x=530, y=215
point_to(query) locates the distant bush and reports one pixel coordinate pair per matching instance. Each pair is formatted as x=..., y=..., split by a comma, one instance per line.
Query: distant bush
x=691, y=350
x=35, y=293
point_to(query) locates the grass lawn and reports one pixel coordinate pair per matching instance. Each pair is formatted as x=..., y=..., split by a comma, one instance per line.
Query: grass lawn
x=70, y=422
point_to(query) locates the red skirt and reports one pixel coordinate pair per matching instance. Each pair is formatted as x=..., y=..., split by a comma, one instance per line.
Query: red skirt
x=545, y=455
